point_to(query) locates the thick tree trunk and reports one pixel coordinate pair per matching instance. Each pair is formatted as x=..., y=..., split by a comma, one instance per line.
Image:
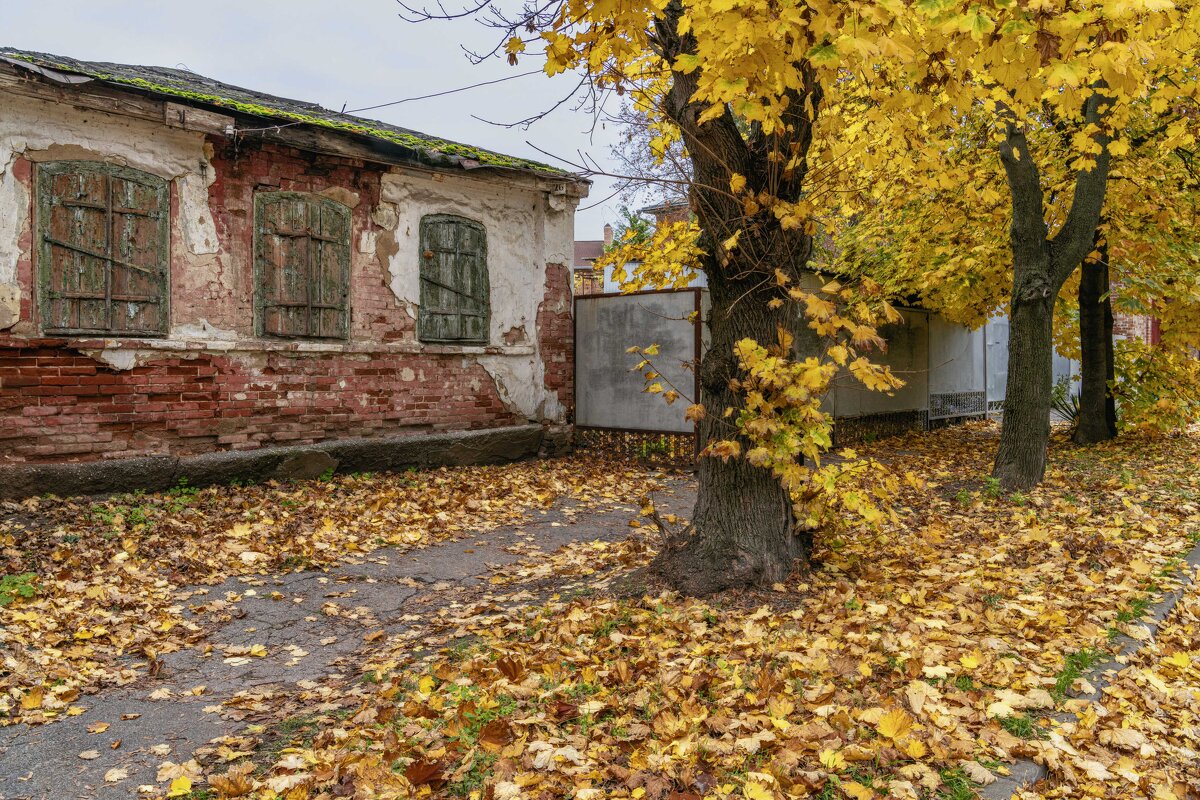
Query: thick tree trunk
x=743, y=531
x=1025, y=434
x=1097, y=407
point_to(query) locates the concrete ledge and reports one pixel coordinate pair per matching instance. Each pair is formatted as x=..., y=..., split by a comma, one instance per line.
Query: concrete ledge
x=457, y=448
x=1024, y=772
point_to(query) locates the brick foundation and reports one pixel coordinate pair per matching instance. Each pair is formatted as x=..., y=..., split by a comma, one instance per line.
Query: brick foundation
x=57, y=402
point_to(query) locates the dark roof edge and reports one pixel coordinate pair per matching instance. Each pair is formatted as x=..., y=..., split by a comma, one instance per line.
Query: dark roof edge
x=423, y=150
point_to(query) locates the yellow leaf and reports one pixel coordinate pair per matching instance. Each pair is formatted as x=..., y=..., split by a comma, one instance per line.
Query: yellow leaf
x=180, y=786
x=32, y=698
x=971, y=660
x=857, y=791
x=832, y=760
x=425, y=685
x=916, y=748
x=756, y=791
x=894, y=724
x=1179, y=659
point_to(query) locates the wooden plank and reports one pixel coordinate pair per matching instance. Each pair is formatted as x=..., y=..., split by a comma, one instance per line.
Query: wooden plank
x=190, y=118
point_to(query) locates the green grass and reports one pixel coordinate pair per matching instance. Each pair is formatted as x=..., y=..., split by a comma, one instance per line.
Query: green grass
x=1074, y=667
x=1022, y=726
x=1136, y=610
x=956, y=786
x=964, y=683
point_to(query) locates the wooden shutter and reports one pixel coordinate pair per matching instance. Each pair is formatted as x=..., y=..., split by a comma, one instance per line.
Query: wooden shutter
x=455, y=293
x=104, y=250
x=302, y=265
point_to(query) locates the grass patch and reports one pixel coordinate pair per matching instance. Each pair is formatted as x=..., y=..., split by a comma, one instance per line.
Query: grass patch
x=1074, y=667
x=1022, y=726
x=956, y=786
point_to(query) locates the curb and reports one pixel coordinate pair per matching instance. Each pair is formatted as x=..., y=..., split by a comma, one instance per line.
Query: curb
x=1024, y=772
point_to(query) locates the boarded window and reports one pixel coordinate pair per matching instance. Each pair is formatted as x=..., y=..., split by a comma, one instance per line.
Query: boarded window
x=104, y=249
x=455, y=295
x=302, y=265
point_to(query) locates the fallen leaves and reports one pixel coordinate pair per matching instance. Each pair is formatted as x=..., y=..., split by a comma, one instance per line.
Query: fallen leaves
x=108, y=577
x=913, y=661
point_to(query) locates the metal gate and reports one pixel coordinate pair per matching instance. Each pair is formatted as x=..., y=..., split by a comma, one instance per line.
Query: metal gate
x=612, y=408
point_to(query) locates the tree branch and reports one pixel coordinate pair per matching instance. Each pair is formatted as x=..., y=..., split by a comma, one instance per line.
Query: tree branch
x=1074, y=241
x=1028, y=230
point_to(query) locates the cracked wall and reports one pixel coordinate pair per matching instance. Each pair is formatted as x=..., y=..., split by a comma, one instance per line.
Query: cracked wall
x=211, y=383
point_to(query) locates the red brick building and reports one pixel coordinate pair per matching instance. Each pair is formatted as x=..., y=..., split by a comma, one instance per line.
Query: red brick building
x=190, y=271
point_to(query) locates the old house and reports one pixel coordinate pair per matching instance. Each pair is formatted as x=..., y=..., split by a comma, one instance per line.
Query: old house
x=200, y=281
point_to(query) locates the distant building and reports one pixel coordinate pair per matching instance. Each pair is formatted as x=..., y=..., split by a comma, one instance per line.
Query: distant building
x=588, y=280
x=585, y=279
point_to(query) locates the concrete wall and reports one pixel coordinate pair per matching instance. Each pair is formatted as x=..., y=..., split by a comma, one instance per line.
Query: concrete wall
x=907, y=355
x=211, y=384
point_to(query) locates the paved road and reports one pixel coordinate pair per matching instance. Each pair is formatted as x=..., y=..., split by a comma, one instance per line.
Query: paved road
x=312, y=625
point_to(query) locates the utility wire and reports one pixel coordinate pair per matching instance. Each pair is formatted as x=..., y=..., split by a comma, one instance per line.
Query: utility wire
x=344, y=112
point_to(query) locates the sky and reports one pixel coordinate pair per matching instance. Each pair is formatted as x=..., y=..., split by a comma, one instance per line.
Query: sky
x=347, y=53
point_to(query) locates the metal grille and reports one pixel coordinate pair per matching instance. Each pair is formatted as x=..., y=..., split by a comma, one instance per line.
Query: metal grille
x=870, y=427
x=675, y=449
x=957, y=404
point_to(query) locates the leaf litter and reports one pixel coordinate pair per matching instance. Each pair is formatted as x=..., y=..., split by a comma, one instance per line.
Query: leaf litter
x=916, y=660
x=105, y=584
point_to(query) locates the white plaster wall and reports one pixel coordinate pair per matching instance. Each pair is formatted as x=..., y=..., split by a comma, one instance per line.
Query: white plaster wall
x=524, y=234
x=40, y=130
x=527, y=228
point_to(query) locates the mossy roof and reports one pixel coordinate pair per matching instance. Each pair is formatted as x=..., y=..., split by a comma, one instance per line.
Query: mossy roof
x=188, y=88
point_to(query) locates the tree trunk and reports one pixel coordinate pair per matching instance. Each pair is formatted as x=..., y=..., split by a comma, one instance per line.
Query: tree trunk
x=1097, y=407
x=743, y=531
x=1025, y=434
x=1040, y=266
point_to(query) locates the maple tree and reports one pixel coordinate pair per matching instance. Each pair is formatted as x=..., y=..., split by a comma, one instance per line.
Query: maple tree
x=1054, y=88
x=768, y=100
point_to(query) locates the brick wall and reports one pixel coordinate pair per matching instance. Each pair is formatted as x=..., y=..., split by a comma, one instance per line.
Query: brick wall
x=59, y=403
x=68, y=399
x=1133, y=326
x=556, y=334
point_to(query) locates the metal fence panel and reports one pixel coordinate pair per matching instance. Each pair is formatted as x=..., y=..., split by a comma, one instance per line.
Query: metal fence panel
x=607, y=394
x=957, y=370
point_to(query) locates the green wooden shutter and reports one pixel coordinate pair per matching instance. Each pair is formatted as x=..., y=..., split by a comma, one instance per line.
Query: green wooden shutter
x=104, y=255
x=302, y=265
x=455, y=293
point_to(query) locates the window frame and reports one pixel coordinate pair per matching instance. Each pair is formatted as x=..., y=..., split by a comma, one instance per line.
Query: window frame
x=44, y=173
x=422, y=325
x=259, y=239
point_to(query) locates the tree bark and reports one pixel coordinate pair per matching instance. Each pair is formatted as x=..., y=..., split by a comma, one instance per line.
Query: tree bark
x=743, y=530
x=1097, y=406
x=1025, y=432
x=1040, y=266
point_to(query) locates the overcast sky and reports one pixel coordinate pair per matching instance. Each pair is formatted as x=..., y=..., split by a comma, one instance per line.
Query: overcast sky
x=334, y=52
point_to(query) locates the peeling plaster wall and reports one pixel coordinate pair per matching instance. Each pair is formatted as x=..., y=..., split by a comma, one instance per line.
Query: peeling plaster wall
x=524, y=234
x=41, y=131
x=211, y=383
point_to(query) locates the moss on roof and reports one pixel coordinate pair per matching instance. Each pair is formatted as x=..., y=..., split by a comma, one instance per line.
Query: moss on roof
x=188, y=87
